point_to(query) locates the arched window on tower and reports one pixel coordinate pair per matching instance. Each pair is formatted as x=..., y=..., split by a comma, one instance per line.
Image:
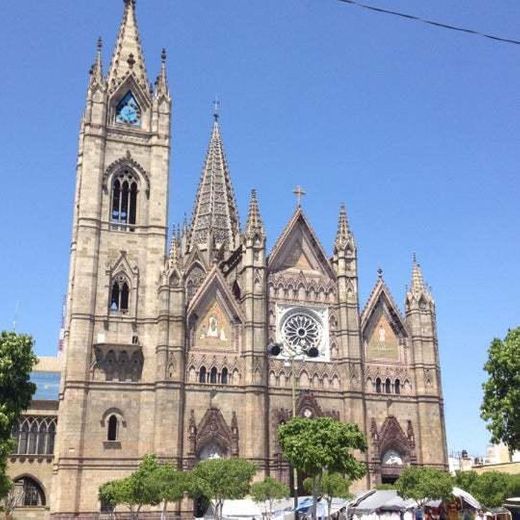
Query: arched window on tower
x=124, y=201
x=397, y=386
x=112, y=430
x=388, y=386
x=378, y=385
x=213, y=376
x=224, y=377
x=120, y=295
x=202, y=375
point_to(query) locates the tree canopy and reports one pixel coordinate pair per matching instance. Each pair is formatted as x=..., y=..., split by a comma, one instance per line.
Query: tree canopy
x=268, y=491
x=316, y=445
x=149, y=485
x=16, y=363
x=501, y=403
x=491, y=489
x=423, y=484
x=221, y=479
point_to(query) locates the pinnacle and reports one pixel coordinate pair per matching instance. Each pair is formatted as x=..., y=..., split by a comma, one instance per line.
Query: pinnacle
x=96, y=71
x=174, y=250
x=161, y=83
x=215, y=213
x=343, y=234
x=128, y=55
x=254, y=219
x=417, y=276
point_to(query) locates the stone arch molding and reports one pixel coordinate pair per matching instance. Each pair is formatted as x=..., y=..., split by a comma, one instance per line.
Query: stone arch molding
x=213, y=430
x=113, y=411
x=132, y=164
x=392, y=438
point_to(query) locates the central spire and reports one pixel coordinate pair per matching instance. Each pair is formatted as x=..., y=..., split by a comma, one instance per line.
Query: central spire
x=215, y=216
x=128, y=55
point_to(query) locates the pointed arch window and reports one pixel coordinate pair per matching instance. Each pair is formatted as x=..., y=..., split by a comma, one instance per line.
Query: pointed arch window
x=124, y=201
x=113, y=427
x=397, y=386
x=120, y=294
x=213, y=376
x=388, y=386
x=202, y=375
x=378, y=385
x=224, y=376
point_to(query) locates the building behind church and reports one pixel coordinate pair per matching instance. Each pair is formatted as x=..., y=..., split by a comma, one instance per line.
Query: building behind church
x=165, y=346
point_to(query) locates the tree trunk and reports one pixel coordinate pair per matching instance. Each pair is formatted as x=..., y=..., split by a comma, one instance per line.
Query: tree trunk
x=329, y=506
x=315, y=481
x=164, y=509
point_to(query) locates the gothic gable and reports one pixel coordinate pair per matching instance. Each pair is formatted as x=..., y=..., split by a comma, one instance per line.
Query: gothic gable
x=214, y=315
x=391, y=440
x=299, y=251
x=382, y=326
x=214, y=433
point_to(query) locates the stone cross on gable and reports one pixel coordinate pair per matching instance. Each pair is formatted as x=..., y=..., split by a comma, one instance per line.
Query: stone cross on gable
x=298, y=191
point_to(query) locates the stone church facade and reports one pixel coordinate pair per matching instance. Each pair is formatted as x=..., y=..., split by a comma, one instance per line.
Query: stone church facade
x=166, y=341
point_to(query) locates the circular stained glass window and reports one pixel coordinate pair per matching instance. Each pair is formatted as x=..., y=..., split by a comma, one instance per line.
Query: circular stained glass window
x=302, y=331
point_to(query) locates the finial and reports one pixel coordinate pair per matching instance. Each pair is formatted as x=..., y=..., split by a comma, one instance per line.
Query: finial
x=129, y=3
x=131, y=60
x=414, y=258
x=216, y=109
x=163, y=56
x=99, y=44
x=380, y=273
x=298, y=191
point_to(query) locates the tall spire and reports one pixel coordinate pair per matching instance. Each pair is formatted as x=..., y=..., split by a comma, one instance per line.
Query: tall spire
x=343, y=235
x=215, y=214
x=255, y=225
x=418, y=293
x=417, y=277
x=343, y=232
x=128, y=55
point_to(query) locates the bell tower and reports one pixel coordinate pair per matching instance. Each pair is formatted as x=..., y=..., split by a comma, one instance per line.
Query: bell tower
x=117, y=255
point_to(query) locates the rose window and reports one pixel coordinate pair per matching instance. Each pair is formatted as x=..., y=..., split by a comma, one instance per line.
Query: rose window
x=302, y=331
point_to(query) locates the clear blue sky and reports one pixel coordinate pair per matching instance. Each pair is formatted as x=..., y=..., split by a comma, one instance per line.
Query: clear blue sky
x=415, y=128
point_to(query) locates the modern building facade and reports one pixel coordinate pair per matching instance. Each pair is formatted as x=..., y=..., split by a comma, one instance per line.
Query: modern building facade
x=165, y=341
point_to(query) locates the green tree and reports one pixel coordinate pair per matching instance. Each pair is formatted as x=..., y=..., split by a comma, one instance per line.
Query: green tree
x=143, y=487
x=492, y=488
x=16, y=363
x=331, y=485
x=424, y=484
x=501, y=404
x=466, y=480
x=316, y=445
x=269, y=490
x=172, y=485
x=385, y=487
x=221, y=479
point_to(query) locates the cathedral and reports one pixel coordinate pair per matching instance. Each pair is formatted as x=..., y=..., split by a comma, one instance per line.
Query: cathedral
x=200, y=345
